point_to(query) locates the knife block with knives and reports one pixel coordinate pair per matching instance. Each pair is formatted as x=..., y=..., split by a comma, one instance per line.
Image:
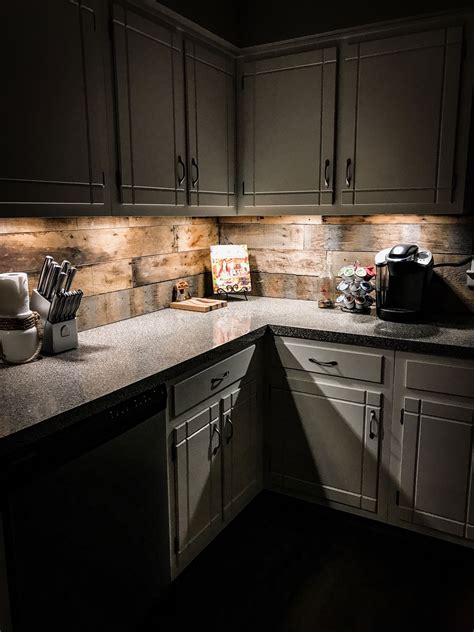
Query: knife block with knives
x=57, y=305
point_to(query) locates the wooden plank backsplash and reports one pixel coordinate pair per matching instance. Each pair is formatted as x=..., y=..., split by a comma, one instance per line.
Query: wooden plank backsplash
x=126, y=265
x=287, y=253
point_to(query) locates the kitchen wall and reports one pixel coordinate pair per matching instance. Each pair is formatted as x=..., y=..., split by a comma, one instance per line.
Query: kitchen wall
x=288, y=253
x=127, y=265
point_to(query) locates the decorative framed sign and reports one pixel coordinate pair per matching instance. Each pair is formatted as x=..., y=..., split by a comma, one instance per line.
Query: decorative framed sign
x=230, y=269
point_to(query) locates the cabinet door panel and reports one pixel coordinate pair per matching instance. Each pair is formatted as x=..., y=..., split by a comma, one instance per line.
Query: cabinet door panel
x=400, y=100
x=325, y=447
x=54, y=143
x=288, y=107
x=436, y=469
x=150, y=111
x=240, y=437
x=198, y=486
x=210, y=88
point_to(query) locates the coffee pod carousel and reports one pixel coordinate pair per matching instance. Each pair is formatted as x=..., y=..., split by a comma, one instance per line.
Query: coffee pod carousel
x=356, y=287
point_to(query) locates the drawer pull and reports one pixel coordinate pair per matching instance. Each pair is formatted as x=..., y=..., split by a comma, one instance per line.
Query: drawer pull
x=215, y=430
x=216, y=381
x=373, y=425
x=228, y=422
x=320, y=363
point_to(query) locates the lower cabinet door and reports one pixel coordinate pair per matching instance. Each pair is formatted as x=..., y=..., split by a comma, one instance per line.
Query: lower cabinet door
x=325, y=447
x=240, y=437
x=198, y=482
x=436, y=466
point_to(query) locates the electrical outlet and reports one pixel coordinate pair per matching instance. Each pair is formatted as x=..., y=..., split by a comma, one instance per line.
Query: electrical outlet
x=470, y=275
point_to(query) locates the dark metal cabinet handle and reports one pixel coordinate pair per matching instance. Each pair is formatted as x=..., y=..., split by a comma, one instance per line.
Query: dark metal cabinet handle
x=326, y=173
x=183, y=167
x=215, y=381
x=348, y=172
x=228, y=422
x=319, y=363
x=373, y=425
x=196, y=179
x=215, y=430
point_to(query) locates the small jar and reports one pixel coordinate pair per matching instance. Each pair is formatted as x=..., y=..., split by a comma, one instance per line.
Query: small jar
x=326, y=289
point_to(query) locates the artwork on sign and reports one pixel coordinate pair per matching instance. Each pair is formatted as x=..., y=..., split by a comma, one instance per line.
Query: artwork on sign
x=230, y=269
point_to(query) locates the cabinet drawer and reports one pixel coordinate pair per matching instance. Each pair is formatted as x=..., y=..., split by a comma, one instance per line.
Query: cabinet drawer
x=327, y=359
x=449, y=379
x=200, y=386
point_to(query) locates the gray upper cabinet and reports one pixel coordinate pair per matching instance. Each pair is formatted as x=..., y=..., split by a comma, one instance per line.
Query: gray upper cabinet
x=150, y=114
x=397, y=123
x=54, y=138
x=287, y=117
x=210, y=99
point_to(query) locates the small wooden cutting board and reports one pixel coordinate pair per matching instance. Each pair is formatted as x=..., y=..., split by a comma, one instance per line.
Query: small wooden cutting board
x=199, y=304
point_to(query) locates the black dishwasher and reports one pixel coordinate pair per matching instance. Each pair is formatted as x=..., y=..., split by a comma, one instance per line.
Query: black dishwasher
x=85, y=523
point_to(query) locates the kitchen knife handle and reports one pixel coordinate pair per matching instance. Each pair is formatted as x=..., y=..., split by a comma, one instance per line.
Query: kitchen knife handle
x=44, y=273
x=71, y=273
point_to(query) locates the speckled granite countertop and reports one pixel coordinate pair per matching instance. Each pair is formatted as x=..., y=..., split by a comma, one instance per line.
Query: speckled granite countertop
x=123, y=359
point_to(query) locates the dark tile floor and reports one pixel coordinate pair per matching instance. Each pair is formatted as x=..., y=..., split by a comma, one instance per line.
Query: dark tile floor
x=289, y=565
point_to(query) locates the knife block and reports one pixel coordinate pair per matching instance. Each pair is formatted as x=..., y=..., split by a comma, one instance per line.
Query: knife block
x=57, y=337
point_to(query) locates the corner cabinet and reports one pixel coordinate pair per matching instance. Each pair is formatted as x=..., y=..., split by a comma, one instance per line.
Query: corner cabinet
x=54, y=140
x=150, y=114
x=287, y=121
x=210, y=99
x=398, y=124
x=432, y=456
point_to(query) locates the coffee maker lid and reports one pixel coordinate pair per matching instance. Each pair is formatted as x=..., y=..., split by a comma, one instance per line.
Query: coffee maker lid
x=403, y=252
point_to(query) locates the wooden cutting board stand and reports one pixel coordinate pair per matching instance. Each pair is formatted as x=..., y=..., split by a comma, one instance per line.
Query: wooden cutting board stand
x=199, y=304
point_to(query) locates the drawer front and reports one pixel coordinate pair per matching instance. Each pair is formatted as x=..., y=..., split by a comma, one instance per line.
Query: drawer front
x=327, y=359
x=200, y=386
x=440, y=378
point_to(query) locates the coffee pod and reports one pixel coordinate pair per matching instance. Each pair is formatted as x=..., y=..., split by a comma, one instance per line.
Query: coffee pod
x=366, y=287
x=360, y=272
x=343, y=286
x=370, y=272
x=349, y=302
x=341, y=271
x=355, y=289
x=348, y=273
x=369, y=300
x=360, y=302
x=340, y=300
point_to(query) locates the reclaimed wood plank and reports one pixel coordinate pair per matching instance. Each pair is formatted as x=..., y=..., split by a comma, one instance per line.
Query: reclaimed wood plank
x=196, y=237
x=372, y=238
x=25, y=251
x=298, y=262
x=157, y=268
x=277, y=219
x=286, y=237
x=397, y=219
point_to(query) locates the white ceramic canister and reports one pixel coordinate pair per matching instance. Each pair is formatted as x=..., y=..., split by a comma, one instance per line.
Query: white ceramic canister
x=17, y=345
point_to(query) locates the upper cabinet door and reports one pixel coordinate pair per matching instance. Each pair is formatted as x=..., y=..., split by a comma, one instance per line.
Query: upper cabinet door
x=54, y=140
x=398, y=122
x=288, y=117
x=150, y=113
x=210, y=98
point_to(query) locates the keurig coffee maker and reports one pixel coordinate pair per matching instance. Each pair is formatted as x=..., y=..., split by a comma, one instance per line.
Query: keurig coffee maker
x=403, y=275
